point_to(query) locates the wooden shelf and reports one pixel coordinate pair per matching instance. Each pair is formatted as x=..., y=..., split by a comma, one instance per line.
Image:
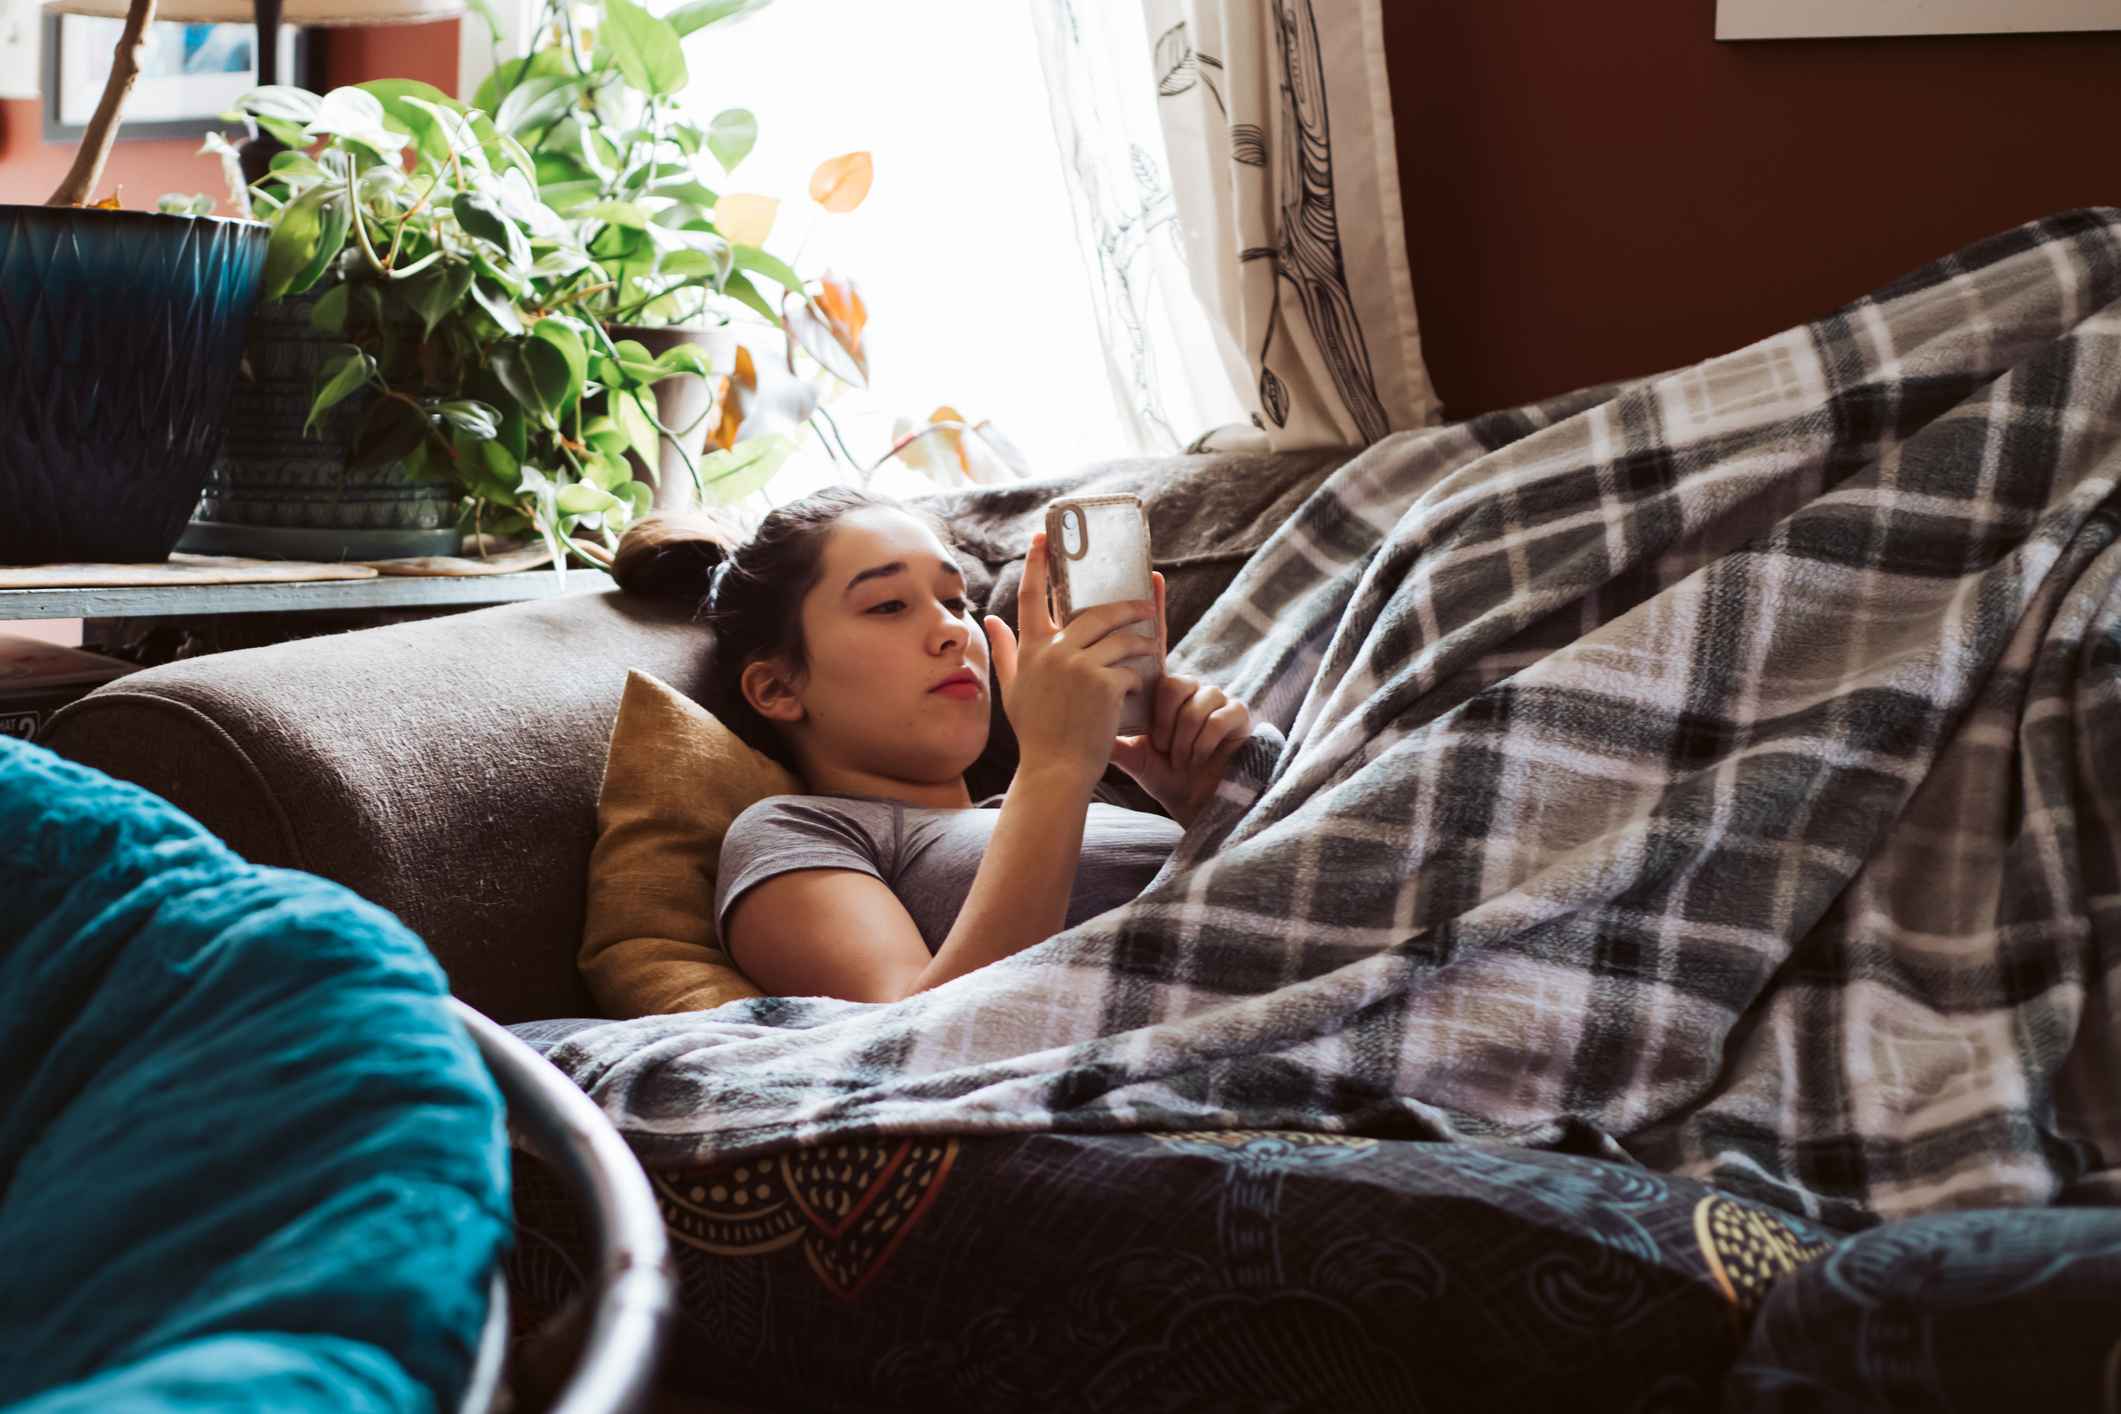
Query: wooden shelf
x=382, y=592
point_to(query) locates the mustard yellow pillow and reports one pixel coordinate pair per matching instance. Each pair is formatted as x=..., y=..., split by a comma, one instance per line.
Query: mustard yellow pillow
x=674, y=779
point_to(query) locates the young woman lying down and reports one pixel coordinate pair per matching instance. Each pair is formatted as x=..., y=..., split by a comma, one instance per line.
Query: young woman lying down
x=847, y=651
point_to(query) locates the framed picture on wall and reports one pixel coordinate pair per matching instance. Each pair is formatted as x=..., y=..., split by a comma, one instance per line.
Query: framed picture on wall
x=1848, y=19
x=190, y=75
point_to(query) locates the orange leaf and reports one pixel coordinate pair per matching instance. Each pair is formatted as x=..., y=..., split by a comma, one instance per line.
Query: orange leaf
x=732, y=397
x=840, y=183
x=828, y=327
x=744, y=218
x=109, y=203
x=843, y=305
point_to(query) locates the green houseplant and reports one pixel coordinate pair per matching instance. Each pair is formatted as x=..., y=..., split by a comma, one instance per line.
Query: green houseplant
x=456, y=296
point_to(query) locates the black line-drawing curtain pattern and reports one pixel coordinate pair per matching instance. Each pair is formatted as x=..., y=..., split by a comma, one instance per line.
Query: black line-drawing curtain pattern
x=1235, y=181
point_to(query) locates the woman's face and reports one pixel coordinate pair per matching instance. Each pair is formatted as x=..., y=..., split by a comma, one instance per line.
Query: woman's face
x=886, y=625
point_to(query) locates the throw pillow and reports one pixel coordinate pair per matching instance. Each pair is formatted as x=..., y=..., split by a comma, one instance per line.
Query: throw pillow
x=674, y=779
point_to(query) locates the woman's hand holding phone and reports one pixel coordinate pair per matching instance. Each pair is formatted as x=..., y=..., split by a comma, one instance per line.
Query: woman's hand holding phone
x=1063, y=687
x=1194, y=730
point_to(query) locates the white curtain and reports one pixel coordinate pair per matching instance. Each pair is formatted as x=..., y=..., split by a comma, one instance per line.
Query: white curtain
x=1236, y=191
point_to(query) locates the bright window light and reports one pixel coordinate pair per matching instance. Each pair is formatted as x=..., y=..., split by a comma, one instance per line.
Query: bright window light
x=964, y=252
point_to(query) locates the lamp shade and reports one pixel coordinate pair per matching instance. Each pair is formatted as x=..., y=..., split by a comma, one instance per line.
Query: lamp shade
x=311, y=13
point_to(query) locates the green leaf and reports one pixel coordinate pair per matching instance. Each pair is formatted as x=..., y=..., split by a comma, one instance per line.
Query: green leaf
x=537, y=102
x=698, y=14
x=331, y=239
x=499, y=464
x=415, y=120
x=470, y=416
x=634, y=366
x=391, y=431
x=646, y=49
x=536, y=374
x=295, y=166
x=683, y=358
x=638, y=498
x=286, y=132
x=297, y=231
x=510, y=72
x=569, y=343
x=739, y=288
x=583, y=498
x=498, y=308
x=481, y=219
x=602, y=433
x=280, y=100
x=357, y=116
x=690, y=193
x=758, y=262
x=732, y=475
x=616, y=213
x=437, y=291
x=566, y=197
x=639, y=426
x=347, y=373
x=328, y=314
x=731, y=136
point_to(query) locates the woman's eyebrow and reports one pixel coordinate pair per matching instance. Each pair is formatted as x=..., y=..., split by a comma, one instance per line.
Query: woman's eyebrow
x=895, y=567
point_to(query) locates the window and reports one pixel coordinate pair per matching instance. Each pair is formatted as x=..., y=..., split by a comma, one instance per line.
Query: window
x=964, y=250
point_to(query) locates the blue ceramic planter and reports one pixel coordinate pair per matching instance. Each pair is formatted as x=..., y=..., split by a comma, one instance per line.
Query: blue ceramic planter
x=120, y=334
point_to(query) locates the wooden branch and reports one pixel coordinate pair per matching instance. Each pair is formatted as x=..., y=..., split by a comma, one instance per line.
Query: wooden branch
x=94, y=150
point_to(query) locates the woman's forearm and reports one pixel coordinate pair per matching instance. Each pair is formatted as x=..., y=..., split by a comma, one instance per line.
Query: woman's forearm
x=1020, y=894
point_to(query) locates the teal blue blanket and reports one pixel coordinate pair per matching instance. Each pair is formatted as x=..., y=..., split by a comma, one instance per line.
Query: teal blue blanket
x=247, y=1158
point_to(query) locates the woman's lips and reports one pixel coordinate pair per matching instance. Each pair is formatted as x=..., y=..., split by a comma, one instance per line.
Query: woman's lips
x=961, y=690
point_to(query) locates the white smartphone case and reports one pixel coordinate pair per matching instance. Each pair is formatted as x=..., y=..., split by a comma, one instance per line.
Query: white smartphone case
x=1097, y=552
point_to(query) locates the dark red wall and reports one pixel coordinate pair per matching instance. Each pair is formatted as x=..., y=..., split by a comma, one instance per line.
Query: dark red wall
x=30, y=167
x=1597, y=191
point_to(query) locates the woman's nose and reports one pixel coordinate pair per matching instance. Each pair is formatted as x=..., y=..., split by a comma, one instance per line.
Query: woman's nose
x=945, y=630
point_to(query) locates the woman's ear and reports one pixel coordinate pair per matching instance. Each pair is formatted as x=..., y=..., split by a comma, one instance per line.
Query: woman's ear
x=767, y=688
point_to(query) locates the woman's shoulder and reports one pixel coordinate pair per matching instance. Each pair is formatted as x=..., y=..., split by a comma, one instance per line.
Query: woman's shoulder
x=813, y=815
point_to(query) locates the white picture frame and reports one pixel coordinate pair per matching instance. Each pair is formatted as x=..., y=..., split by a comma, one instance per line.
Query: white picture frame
x=190, y=76
x=1848, y=19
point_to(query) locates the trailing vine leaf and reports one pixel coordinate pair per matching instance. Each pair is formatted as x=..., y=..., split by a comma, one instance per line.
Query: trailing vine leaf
x=333, y=221
x=293, y=241
x=637, y=421
x=698, y=14
x=744, y=218
x=842, y=183
x=560, y=336
x=731, y=136
x=730, y=476
x=646, y=49
x=358, y=116
x=828, y=327
x=346, y=374
x=751, y=258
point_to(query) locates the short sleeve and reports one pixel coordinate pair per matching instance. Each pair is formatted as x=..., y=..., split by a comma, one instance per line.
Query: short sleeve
x=784, y=833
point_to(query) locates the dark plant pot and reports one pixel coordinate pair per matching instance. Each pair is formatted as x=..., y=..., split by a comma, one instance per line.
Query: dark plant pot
x=682, y=405
x=120, y=332
x=278, y=493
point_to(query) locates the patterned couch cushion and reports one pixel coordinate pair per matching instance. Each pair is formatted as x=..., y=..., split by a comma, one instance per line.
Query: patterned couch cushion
x=1191, y=1271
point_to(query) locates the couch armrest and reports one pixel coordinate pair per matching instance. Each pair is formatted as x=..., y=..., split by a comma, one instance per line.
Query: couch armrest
x=446, y=769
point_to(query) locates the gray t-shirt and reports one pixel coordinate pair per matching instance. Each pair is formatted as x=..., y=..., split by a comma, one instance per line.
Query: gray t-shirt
x=927, y=856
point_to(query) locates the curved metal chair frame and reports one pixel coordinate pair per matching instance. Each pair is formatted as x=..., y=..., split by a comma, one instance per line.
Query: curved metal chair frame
x=634, y=1286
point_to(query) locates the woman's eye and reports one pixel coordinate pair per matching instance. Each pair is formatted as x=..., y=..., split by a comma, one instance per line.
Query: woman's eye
x=888, y=606
x=957, y=607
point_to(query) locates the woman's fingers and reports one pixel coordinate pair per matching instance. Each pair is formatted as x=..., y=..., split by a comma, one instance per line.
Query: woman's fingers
x=1094, y=627
x=1032, y=611
x=1185, y=731
x=1172, y=692
x=1220, y=736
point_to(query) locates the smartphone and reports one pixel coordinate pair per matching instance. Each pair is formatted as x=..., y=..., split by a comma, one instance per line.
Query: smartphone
x=1097, y=551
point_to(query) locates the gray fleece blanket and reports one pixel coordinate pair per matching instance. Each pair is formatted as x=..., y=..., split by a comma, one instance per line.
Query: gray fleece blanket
x=1715, y=773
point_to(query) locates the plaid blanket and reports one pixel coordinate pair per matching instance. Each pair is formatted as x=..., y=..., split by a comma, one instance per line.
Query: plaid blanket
x=1713, y=772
